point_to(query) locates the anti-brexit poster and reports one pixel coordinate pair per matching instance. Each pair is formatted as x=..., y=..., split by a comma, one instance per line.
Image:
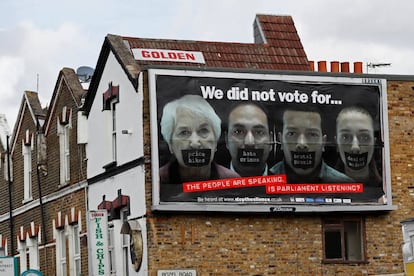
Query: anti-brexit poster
x=222, y=138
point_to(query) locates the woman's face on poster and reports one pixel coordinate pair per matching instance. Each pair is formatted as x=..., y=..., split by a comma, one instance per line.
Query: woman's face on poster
x=193, y=141
x=355, y=139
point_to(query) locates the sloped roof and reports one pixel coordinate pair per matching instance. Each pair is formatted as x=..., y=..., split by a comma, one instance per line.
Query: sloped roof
x=34, y=104
x=31, y=101
x=68, y=75
x=281, y=50
x=280, y=32
x=277, y=47
x=4, y=132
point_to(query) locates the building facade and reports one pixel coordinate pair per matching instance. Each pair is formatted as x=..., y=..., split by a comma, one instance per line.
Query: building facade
x=202, y=235
x=46, y=190
x=95, y=184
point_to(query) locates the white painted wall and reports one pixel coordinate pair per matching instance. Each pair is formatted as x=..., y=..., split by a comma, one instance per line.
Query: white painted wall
x=129, y=147
x=131, y=183
x=129, y=117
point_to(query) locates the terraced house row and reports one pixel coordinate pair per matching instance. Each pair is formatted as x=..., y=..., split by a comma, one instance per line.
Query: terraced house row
x=211, y=158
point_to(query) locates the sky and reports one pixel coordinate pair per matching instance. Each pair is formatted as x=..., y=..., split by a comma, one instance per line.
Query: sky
x=40, y=37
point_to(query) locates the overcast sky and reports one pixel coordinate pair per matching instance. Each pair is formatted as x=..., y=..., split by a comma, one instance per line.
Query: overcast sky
x=39, y=38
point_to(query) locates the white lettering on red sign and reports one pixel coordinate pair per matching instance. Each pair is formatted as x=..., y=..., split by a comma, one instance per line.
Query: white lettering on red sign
x=168, y=55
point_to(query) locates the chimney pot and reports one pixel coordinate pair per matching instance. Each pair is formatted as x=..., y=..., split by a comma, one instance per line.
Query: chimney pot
x=312, y=65
x=335, y=66
x=345, y=67
x=322, y=66
x=358, y=67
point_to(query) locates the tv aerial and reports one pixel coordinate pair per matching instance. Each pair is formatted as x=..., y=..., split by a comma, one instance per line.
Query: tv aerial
x=373, y=65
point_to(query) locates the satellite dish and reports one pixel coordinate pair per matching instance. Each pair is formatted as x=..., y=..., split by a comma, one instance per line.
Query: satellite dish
x=85, y=73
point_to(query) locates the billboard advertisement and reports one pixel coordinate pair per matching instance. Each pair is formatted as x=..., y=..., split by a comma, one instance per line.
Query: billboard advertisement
x=228, y=141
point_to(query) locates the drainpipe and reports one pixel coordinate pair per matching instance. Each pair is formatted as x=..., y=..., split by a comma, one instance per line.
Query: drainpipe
x=11, y=222
x=39, y=186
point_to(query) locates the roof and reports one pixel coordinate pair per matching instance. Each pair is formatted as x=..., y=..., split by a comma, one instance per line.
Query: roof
x=34, y=104
x=277, y=47
x=31, y=101
x=74, y=86
x=4, y=132
x=280, y=31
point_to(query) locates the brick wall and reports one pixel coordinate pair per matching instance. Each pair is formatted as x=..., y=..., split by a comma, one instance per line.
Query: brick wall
x=49, y=185
x=250, y=244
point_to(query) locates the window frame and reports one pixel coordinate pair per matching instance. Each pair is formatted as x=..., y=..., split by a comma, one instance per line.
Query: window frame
x=74, y=249
x=113, y=130
x=64, y=153
x=64, y=126
x=110, y=98
x=23, y=252
x=34, y=254
x=326, y=223
x=27, y=171
x=77, y=250
x=61, y=254
x=125, y=242
x=111, y=248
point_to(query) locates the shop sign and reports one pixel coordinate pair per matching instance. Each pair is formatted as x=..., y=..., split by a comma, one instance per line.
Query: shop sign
x=98, y=237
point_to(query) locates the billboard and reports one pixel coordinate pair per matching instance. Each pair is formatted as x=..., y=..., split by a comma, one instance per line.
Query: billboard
x=228, y=141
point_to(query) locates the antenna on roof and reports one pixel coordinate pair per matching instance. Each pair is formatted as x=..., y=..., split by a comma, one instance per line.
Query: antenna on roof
x=37, y=83
x=375, y=65
x=85, y=73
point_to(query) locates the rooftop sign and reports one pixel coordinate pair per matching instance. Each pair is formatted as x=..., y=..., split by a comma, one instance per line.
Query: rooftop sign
x=168, y=55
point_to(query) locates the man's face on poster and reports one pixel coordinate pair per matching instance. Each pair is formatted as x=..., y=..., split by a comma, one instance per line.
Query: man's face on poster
x=302, y=141
x=355, y=139
x=193, y=141
x=248, y=139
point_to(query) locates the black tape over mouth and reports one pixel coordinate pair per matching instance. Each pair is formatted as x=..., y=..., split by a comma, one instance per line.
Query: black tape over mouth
x=196, y=157
x=250, y=157
x=303, y=160
x=356, y=161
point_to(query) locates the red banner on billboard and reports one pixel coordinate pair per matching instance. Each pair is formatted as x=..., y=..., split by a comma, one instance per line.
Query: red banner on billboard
x=233, y=183
x=314, y=188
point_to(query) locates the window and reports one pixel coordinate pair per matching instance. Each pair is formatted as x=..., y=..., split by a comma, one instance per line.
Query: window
x=77, y=250
x=22, y=248
x=64, y=126
x=32, y=244
x=27, y=164
x=74, y=249
x=113, y=116
x=60, y=237
x=110, y=100
x=111, y=249
x=343, y=240
x=125, y=243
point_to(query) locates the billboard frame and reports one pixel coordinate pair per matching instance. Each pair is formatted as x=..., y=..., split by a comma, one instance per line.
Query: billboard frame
x=158, y=205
